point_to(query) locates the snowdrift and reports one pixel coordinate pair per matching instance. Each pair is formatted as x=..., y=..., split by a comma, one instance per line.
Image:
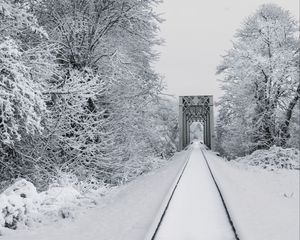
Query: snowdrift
x=273, y=158
x=18, y=204
x=21, y=205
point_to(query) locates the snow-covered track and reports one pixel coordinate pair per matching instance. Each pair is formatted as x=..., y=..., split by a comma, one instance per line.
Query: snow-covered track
x=160, y=216
x=170, y=199
x=221, y=196
x=194, y=198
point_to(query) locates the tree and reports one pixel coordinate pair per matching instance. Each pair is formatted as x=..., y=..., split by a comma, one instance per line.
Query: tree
x=21, y=101
x=26, y=62
x=94, y=93
x=97, y=123
x=261, y=78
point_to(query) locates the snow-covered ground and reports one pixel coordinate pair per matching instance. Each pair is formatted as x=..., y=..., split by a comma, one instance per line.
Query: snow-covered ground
x=264, y=205
x=126, y=213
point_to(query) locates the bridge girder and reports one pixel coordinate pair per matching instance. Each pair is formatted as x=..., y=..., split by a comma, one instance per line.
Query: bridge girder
x=196, y=109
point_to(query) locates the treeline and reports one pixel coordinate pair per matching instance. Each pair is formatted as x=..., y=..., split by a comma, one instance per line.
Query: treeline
x=260, y=106
x=78, y=93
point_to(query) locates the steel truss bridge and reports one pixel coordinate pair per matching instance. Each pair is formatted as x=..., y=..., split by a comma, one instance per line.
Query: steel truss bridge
x=196, y=109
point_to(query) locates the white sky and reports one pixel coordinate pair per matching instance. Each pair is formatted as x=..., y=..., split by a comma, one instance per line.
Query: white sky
x=197, y=33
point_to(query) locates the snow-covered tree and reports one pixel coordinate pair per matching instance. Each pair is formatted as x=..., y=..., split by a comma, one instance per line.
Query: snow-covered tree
x=261, y=80
x=26, y=64
x=104, y=100
x=20, y=99
x=90, y=71
x=21, y=102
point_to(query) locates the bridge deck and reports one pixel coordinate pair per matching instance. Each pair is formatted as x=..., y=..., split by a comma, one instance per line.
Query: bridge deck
x=196, y=210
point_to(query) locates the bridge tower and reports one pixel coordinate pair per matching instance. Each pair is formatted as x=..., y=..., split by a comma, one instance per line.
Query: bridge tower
x=196, y=109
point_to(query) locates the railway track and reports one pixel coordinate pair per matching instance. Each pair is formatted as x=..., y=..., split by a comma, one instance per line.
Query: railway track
x=164, y=211
x=222, y=198
x=170, y=199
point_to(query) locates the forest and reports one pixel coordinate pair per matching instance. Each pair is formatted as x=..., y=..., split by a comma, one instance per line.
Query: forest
x=78, y=93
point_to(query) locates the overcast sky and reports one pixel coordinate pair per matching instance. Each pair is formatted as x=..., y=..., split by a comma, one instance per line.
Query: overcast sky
x=197, y=33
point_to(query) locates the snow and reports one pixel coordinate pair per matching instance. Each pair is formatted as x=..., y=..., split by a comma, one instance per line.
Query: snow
x=18, y=204
x=126, y=213
x=263, y=204
x=273, y=158
x=196, y=210
x=21, y=206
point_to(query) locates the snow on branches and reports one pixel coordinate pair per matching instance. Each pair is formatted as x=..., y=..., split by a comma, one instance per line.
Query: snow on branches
x=261, y=82
x=79, y=94
x=21, y=102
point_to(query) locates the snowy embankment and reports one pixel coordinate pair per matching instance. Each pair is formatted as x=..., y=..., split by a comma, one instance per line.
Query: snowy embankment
x=263, y=204
x=124, y=213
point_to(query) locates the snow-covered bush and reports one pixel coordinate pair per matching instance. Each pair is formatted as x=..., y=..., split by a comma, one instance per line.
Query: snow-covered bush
x=59, y=202
x=21, y=205
x=67, y=193
x=273, y=158
x=91, y=187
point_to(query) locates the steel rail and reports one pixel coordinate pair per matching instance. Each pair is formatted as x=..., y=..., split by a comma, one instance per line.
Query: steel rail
x=222, y=198
x=175, y=187
x=170, y=198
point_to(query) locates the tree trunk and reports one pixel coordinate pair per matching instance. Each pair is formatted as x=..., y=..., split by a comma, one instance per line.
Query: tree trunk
x=284, y=131
x=263, y=120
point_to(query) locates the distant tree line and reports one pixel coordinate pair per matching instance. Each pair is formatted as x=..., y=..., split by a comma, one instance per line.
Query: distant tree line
x=260, y=80
x=78, y=92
